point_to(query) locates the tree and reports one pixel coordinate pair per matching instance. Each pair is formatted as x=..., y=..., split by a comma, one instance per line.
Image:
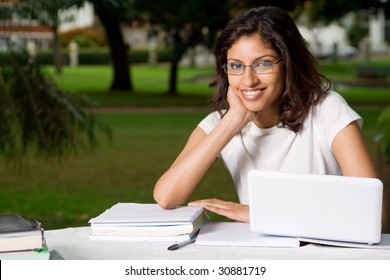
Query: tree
x=187, y=23
x=37, y=117
x=47, y=13
x=111, y=14
x=325, y=12
x=330, y=10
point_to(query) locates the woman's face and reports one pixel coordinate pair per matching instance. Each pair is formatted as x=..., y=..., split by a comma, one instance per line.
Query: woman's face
x=258, y=92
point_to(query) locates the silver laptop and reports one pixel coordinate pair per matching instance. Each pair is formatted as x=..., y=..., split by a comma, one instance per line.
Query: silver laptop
x=325, y=207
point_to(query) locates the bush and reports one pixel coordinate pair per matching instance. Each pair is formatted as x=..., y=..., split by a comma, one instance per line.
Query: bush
x=372, y=72
x=138, y=56
x=384, y=126
x=93, y=56
x=84, y=37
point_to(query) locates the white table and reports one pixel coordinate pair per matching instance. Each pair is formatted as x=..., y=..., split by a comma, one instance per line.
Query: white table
x=74, y=243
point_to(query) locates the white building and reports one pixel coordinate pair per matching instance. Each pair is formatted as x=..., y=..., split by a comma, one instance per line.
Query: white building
x=322, y=40
x=77, y=17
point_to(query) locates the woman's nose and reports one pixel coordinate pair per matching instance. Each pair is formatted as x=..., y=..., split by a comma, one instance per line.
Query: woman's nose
x=249, y=77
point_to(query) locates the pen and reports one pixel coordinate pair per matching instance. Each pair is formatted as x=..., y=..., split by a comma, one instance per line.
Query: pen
x=181, y=244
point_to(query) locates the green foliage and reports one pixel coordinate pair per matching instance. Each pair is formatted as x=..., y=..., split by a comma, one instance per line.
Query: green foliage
x=121, y=10
x=84, y=37
x=329, y=10
x=44, y=11
x=188, y=23
x=373, y=72
x=93, y=56
x=384, y=126
x=35, y=116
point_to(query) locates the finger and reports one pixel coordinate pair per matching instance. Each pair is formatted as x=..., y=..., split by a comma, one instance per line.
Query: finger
x=238, y=213
x=220, y=211
x=212, y=202
x=204, y=201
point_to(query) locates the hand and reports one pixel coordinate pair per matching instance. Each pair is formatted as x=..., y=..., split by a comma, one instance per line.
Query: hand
x=231, y=210
x=238, y=108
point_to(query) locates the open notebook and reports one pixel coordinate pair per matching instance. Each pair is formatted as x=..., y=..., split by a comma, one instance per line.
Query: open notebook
x=234, y=234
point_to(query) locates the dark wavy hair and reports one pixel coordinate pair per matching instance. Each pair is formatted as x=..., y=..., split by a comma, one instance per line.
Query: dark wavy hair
x=304, y=84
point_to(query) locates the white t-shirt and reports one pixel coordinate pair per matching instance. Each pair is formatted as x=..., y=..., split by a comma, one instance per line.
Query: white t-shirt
x=280, y=149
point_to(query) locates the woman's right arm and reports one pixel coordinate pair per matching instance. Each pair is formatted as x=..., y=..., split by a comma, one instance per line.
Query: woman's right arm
x=177, y=183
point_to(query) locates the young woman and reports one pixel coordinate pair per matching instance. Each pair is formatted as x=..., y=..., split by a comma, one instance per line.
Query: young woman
x=274, y=111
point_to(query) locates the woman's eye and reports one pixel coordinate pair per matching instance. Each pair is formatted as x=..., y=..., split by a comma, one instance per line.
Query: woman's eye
x=264, y=63
x=236, y=66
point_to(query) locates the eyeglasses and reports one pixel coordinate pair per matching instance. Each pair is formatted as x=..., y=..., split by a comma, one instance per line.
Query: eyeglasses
x=260, y=67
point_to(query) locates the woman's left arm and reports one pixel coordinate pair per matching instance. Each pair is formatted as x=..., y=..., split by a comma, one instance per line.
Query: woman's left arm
x=352, y=154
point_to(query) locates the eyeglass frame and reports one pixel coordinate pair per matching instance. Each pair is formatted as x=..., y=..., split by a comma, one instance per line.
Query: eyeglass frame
x=252, y=66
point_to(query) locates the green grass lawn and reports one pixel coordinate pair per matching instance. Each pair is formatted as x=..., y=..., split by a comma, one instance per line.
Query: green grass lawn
x=68, y=192
x=151, y=85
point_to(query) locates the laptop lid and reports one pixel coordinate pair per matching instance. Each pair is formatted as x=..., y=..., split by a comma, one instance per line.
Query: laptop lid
x=326, y=207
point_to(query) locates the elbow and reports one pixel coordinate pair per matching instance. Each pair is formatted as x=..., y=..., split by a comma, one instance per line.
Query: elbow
x=164, y=202
x=163, y=198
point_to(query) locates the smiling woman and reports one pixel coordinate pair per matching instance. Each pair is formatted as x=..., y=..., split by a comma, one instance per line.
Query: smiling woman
x=259, y=88
x=274, y=111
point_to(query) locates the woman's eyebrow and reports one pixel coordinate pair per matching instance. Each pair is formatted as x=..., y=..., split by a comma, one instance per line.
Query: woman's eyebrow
x=256, y=59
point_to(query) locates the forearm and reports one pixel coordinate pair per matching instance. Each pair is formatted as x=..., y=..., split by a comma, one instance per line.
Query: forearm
x=175, y=186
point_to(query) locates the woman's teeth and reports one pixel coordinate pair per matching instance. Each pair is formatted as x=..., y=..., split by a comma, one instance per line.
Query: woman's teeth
x=251, y=92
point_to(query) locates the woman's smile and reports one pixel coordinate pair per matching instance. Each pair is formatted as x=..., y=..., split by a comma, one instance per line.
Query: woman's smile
x=251, y=94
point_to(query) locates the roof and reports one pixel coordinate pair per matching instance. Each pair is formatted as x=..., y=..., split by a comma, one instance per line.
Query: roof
x=24, y=28
x=26, y=31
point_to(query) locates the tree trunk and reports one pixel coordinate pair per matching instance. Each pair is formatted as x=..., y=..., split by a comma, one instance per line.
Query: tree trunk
x=173, y=79
x=179, y=48
x=57, y=52
x=118, y=49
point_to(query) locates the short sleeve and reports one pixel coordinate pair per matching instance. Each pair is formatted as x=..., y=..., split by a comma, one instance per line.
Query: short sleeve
x=210, y=122
x=336, y=114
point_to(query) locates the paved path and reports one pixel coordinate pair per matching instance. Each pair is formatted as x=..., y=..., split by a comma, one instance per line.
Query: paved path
x=135, y=109
x=196, y=109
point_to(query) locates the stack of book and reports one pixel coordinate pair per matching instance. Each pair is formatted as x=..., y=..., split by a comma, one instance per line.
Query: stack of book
x=21, y=238
x=147, y=222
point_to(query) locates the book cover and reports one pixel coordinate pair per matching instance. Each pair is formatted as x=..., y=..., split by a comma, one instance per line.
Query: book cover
x=12, y=223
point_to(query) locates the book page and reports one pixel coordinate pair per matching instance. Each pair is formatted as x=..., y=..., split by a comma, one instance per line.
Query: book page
x=239, y=234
